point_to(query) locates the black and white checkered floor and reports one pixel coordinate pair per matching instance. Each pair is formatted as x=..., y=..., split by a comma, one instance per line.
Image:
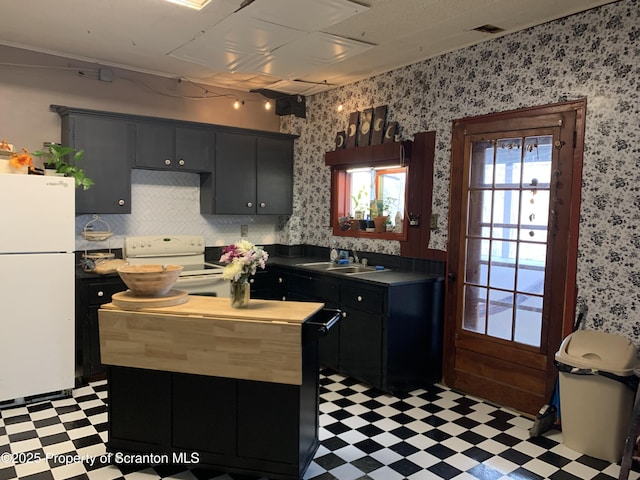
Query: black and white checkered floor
x=365, y=434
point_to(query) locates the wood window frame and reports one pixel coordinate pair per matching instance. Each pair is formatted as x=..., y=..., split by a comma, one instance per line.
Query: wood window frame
x=419, y=157
x=373, y=156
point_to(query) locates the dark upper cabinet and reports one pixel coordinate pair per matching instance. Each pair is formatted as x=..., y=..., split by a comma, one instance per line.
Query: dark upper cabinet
x=252, y=175
x=274, y=166
x=235, y=174
x=109, y=145
x=161, y=146
x=242, y=172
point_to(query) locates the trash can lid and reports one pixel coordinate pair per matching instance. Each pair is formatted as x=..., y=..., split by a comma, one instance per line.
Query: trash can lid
x=598, y=351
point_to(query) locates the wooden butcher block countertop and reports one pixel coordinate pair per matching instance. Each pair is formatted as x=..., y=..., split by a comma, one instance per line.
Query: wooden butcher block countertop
x=205, y=336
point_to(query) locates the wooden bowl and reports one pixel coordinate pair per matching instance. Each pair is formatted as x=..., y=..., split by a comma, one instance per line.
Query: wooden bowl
x=149, y=280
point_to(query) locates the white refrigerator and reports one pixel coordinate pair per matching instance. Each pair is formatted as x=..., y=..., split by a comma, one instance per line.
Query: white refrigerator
x=37, y=299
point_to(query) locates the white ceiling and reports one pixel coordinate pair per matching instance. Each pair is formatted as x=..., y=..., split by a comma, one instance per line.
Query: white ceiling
x=290, y=46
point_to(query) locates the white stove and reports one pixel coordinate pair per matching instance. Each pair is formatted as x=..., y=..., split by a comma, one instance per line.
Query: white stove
x=198, y=276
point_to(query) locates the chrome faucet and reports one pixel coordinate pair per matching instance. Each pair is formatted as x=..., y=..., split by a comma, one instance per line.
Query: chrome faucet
x=355, y=257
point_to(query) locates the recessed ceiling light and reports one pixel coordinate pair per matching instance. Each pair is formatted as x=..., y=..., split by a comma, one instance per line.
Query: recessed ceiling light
x=195, y=4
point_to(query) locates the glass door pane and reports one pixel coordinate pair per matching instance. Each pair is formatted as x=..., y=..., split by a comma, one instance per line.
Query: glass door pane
x=506, y=237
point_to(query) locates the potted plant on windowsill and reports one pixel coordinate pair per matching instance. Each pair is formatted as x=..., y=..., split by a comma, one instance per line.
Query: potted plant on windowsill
x=54, y=158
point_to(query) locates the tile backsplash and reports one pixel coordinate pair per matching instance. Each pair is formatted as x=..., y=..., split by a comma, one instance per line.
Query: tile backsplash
x=169, y=203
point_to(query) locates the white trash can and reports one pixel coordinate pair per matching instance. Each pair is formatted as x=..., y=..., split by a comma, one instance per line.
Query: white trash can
x=597, y=388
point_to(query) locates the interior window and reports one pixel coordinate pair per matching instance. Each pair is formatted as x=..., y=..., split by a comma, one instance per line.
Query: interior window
x=370, y=188
x=377, y=192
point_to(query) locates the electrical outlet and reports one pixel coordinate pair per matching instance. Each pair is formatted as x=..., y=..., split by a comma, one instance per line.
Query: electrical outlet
x=434, y=221
x=244, y=230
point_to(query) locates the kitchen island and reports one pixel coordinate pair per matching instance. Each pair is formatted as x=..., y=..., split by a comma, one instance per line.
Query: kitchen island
x=204, y=384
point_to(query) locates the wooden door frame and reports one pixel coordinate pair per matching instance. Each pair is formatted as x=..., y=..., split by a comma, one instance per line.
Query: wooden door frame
x=570, y=226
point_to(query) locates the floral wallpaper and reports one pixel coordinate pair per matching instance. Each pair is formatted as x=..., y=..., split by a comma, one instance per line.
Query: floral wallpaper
x=593, y=55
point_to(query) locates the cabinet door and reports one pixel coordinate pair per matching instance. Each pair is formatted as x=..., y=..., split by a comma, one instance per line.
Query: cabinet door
x=276, y=415
x=204, y=413
x=109, y=145
x=361, y=346
x=235, y=174
x=139, y=409
x=155, y=146
x=96, y=295
x=275, y=176
x=361, y=332
x=264, y=285
x=194, y=149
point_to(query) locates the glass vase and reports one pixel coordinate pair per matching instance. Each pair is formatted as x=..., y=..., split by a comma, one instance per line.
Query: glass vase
x=240, y=294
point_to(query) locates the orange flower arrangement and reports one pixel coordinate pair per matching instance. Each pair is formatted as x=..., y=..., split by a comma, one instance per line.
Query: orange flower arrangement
x=18, y=160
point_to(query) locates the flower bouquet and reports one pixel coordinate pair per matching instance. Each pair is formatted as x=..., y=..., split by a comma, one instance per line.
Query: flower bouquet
x=20, y=162
x=242, y=259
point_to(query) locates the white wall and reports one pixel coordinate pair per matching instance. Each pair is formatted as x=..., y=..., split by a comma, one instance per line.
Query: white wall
x=162, y=202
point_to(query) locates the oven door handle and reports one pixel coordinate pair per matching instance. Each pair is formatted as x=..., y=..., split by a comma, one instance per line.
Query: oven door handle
x=190, y=279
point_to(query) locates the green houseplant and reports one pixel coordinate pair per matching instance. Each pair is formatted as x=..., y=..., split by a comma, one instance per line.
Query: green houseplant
x=360, y=203
x=55, y=156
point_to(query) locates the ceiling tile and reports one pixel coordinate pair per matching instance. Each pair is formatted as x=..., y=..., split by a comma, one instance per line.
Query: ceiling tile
x=307, y=15
x=305, y=55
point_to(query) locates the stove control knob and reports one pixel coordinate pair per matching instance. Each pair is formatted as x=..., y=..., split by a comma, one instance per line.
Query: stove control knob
x=167, y=162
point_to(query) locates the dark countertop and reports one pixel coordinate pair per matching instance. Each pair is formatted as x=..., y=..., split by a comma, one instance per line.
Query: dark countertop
x=385, y=277
x=82, y=275
x=388, y=277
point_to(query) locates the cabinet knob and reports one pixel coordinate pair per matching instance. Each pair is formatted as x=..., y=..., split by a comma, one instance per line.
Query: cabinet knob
x=181, y=162
x=284, y=299
x=121, y=202
x=280, y=280
x=359, y=298
x=262, y=204
x=344, y=314
x=249, y=204
x=167, y=162
x=101, y=293
x=252, y=280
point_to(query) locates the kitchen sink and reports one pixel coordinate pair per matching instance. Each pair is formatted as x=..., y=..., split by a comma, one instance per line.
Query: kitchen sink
x=337, y=268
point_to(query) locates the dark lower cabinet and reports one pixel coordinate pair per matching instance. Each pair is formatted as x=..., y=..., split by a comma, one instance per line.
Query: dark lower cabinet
x=239, y=426
x=361, y=347
x=390, y=336
x=92, y=291
x=146, y=426
x=215, y=402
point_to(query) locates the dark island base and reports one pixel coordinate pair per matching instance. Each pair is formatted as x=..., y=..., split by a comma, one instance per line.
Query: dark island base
x=236, y=426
